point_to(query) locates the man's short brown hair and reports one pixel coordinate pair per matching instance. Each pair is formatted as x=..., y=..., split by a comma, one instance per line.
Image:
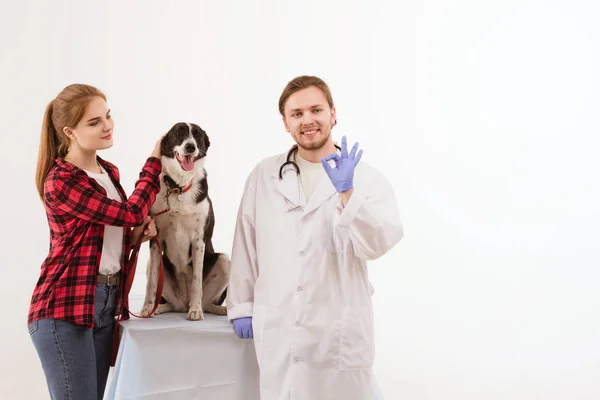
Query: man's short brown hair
x=303, y=82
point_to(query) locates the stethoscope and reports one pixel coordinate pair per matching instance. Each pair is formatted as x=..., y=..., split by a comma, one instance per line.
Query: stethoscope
x=291, y=162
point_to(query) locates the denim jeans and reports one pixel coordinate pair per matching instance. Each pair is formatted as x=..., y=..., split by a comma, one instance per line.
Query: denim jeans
x=75, y=359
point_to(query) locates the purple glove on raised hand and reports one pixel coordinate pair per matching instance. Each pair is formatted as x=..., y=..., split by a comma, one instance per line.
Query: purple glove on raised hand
x=243, y=327
x=342, y=175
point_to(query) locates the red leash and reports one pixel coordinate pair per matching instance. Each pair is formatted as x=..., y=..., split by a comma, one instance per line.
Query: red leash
x=131, y=274
x=126, y=288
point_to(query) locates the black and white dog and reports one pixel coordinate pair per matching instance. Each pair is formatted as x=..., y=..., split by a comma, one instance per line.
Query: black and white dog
x=196, y=277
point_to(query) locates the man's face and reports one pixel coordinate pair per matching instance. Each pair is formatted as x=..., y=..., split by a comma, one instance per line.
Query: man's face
x=308, y=117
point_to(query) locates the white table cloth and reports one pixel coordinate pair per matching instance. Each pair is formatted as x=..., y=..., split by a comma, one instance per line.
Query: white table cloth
x=169, y=357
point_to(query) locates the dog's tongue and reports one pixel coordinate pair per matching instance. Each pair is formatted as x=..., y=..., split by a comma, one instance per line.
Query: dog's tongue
x=187, y=164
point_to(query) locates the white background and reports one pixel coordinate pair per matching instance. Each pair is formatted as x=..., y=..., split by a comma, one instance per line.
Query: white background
x=483, y=115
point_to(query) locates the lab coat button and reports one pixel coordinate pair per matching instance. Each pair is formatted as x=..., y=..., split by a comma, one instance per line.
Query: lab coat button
x=299, y=288
x=301, y=253
x=296, y=324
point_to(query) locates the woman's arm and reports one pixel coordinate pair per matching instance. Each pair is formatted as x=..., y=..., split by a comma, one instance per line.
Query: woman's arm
x=76, y=197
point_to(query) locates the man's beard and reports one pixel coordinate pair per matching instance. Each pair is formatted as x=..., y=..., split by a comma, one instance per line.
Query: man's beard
x=316, y=145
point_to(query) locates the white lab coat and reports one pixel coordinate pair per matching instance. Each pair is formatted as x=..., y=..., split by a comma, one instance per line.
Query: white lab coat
x=299, y=268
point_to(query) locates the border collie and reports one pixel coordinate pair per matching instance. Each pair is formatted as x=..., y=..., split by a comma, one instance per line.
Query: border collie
x=195, y=276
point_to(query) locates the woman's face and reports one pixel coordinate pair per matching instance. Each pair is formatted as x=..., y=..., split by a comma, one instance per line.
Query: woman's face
x=95, y=129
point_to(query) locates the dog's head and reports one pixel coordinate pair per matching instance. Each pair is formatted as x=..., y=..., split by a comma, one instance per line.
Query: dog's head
x=183, y=149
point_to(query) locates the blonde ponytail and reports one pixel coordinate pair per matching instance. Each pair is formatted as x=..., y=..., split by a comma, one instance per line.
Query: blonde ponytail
x=64, y=111
x=47, y=151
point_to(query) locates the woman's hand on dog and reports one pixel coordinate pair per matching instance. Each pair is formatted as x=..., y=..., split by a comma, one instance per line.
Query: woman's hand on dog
x=156, y=151
x=148, y=229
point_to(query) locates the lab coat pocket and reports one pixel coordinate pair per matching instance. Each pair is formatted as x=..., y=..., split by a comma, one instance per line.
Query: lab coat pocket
x=356, y=339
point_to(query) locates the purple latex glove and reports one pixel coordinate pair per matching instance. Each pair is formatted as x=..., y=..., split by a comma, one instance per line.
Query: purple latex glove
x=243, y=327
x=343, y=174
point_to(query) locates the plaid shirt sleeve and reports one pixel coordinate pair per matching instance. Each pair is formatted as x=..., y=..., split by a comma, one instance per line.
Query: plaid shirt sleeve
x=77, y=198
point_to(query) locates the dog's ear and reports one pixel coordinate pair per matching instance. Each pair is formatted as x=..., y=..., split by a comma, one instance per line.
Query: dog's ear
x=206, y=140
x=201, y=136
x=165, y=148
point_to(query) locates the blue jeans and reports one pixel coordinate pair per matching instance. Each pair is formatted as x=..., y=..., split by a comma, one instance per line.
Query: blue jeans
x=76, y=359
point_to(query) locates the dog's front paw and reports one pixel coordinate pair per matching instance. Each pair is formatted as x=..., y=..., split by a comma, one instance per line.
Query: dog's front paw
x=195, y=315
x=147, y=309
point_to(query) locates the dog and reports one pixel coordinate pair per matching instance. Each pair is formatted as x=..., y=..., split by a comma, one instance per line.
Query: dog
x=195, y=276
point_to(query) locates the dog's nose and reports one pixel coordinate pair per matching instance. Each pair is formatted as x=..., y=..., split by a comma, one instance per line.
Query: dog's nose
x=190, y=148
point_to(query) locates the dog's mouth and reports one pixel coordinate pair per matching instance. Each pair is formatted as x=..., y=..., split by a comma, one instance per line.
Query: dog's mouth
x=186, y=161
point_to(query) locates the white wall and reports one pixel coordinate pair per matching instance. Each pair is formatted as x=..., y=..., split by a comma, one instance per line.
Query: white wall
x=482, y=114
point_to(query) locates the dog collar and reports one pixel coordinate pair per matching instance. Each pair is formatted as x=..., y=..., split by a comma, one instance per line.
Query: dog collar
x=183, y=190
x=179, y=190
x=186, y=188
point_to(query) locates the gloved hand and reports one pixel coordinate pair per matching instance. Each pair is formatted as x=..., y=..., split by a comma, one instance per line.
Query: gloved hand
x=343, y=174
x=243, y=327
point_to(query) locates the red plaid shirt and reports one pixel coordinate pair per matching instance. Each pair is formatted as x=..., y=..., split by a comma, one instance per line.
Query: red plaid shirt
x=78, y=208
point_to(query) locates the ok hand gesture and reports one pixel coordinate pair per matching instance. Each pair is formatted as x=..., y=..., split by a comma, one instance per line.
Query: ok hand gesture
x=342, y=175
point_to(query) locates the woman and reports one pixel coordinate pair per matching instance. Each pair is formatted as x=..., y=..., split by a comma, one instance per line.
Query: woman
x=71, y=316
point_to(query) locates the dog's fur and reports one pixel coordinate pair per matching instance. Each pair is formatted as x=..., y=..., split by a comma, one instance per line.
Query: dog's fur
x=195, y=279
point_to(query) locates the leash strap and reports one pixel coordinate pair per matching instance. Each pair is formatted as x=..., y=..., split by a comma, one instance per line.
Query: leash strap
x=126, y=288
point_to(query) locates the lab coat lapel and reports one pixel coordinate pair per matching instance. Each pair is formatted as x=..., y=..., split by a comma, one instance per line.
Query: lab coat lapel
x=322, y=193
x=290, y=188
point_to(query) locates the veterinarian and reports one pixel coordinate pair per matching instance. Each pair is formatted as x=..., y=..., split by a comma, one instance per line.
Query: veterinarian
x=308, y=222
x=72, y=312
